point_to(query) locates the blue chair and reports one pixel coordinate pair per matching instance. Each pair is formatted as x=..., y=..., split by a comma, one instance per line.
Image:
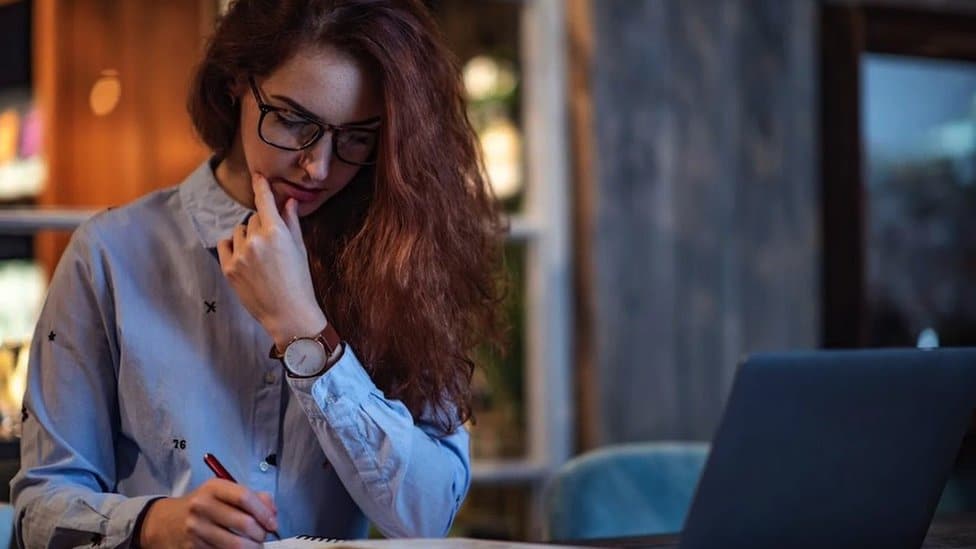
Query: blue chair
x=959, y=494
x=624, y=490
x=7, y=525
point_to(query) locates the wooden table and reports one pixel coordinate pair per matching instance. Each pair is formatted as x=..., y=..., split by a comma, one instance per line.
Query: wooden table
x=956, y=531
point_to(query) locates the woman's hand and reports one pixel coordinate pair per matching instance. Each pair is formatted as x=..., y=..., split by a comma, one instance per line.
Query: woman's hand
x=266, y=263
x=219, y=513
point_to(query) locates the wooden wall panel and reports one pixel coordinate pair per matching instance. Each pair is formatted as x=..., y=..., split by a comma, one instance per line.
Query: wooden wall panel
x=145, y=143
x=704, y=228
x=580, y=55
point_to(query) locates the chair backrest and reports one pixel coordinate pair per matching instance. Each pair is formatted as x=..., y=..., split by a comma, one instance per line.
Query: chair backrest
x=7, y=525
x=624, y=490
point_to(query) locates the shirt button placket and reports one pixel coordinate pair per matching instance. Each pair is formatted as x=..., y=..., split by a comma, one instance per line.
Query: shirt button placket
x=267, y=413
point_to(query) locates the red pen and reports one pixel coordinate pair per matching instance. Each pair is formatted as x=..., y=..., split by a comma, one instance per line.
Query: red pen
x=219, y=470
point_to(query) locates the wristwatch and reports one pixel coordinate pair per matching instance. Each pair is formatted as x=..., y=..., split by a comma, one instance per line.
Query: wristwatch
x=309, y=356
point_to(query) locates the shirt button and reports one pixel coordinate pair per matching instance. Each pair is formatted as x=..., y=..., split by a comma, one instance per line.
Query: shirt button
x=270, y=378
x=264, y=466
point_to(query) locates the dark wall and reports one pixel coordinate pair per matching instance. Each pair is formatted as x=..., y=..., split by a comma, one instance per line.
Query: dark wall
x=704, y=233
x=15, y=39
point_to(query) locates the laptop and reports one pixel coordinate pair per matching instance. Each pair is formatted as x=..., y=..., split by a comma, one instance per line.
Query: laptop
x=833, y=449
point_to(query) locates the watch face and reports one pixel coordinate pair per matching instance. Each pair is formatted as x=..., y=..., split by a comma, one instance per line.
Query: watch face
x=305, y=357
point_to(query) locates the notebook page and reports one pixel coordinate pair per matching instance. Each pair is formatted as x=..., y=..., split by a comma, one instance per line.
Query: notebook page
x=440, y=543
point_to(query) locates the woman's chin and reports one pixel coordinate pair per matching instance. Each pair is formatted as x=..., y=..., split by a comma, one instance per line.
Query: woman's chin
x=304, y=208
x=308, y=208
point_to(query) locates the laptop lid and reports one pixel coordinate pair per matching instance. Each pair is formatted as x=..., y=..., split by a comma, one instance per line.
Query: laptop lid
x=833, y=449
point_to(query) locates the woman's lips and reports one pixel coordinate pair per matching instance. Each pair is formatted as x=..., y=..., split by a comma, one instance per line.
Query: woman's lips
x=299, y=193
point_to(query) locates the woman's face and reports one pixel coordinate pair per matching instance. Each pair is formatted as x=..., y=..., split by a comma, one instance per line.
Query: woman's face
x=322, y=84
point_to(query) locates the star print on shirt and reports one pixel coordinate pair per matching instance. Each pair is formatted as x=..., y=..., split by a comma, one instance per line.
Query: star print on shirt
x=211, y=306
x=23, y=414
x=51, y=336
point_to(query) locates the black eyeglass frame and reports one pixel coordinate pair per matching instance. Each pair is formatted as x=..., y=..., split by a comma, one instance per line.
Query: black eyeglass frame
x=322, y=128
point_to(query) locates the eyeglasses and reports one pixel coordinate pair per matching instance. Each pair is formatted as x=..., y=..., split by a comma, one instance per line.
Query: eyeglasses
x=293, y=131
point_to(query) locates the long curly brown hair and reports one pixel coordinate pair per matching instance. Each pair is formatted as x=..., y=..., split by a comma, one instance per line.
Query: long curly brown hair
x=405, y=259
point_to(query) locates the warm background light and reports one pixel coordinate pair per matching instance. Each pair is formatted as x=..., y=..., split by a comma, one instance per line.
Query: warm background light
x=105, y=93
x=9, y=135
x=13, y=383
x=485, y=77
x=489, y=83
x=501, y=145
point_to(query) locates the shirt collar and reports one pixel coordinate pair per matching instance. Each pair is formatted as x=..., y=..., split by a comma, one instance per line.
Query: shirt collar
x=214, y=213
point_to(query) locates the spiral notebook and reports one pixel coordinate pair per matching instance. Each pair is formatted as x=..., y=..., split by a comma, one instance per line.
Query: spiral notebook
x=302, y=542
x=312, y=542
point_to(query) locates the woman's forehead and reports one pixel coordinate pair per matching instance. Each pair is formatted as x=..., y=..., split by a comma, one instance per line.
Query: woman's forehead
x=328, y=83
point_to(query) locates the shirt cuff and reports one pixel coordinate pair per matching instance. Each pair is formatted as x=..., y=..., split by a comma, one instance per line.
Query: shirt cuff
x=345, y=384
x=124, y=519
x=137, y=528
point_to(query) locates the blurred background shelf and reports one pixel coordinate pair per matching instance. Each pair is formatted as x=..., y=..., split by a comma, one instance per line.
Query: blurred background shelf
x=508, y=471
x=29, y=220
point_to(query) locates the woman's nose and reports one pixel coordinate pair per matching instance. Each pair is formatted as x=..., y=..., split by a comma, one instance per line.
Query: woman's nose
x=316, y=159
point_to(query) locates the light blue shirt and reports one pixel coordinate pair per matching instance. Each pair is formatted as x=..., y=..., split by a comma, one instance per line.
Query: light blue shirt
x=143, y=360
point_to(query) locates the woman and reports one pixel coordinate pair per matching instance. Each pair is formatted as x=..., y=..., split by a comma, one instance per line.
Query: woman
x=343, y=223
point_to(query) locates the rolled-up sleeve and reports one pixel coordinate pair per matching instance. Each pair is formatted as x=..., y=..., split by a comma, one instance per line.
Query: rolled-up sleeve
x=407, y=477
x=70, y=418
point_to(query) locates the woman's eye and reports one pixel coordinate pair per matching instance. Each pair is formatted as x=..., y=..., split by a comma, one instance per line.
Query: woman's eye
x=357, y=138
x=289, y=121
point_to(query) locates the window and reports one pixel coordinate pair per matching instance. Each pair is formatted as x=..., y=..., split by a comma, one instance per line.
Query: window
x=513, y=56
x=895, y=82
x=897, y=89
x=919, y=130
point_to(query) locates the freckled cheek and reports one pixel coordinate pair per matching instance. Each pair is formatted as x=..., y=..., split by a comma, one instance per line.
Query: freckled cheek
x=265, y=158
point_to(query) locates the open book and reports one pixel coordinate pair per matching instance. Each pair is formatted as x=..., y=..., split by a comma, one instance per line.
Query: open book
x=310, y=542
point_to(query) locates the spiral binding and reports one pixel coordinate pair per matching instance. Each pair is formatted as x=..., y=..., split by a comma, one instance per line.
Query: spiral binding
x=318, y=538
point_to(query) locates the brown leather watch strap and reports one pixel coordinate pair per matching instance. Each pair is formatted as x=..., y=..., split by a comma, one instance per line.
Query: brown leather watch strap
x=330, y=338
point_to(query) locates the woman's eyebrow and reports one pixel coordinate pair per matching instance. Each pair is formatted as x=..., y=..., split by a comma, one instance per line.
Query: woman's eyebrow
x=364, y=122
x=299, y=108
